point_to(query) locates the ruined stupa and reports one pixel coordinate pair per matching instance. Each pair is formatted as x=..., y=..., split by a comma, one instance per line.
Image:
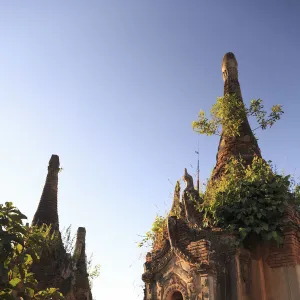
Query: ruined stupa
x=59, y=269
x=198, y=264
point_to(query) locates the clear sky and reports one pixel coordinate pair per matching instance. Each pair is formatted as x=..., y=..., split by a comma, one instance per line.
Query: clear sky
x=112, y=88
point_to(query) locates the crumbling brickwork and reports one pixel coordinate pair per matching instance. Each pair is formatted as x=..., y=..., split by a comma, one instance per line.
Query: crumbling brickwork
x=244, y=144
x=196, y=263
x=56, y=267
x=288, y=254
x=46, y=212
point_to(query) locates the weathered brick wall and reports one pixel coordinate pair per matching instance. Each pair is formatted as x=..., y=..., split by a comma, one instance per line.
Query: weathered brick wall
x=200, y=250
x=289, y=253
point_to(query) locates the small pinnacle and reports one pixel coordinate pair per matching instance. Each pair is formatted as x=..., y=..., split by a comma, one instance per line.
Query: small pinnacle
x=54, y=161
x=229, y=58
x=81, y=229
x=81, y=232
x=229, y=67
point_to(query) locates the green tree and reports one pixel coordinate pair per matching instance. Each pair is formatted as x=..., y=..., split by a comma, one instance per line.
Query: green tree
x=20, y=247
x=228, y=113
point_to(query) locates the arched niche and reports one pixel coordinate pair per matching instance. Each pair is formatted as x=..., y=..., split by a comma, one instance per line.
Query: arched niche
x=176, y=296
x=175, y=292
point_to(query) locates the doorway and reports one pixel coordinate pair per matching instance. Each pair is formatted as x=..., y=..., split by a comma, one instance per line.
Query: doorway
x=177, y=296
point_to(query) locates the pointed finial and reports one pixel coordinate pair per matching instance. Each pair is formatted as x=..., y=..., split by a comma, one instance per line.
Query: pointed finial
x=81, y=232
x=229, y=67
x=188, y=179
x=54, y=162
x=185, y=172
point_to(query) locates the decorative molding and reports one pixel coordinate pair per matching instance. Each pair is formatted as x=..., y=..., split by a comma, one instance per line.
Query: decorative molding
x=162, y=262
x=176, y=287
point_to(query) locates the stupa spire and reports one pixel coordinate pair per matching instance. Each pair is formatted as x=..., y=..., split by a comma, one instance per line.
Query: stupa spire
x=230, y=75
x=82, y=286
x=47, y=210
x=243, y=145
x=79, y=252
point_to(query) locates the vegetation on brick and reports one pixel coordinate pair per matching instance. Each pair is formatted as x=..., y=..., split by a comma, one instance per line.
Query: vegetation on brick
x=228, y=114
x=249, y=199
x=155, y=236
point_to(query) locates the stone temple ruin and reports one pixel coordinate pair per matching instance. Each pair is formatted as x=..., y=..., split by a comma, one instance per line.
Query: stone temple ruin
x=199, y=264
x=59, y=269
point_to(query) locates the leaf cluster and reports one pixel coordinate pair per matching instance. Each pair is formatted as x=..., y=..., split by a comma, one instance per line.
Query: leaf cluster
x=257, y=110
x=249, y=199
x=155, y=236
x=92, y=270
x=20, y=247
x=228, y=114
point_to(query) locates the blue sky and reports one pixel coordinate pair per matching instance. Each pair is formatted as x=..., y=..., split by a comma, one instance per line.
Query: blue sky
x=112, y=88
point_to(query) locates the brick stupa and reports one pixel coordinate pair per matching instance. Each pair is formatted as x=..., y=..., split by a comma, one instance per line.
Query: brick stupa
x=198, y=264
x=57, y=268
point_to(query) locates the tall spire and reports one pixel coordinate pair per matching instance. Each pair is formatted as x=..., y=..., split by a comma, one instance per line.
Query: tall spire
x=82, y=286
x=79, y=252
x=47, y=210
x=244, y=145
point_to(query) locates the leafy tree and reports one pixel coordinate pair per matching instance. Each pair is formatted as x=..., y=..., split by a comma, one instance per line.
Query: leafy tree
x=155, y=236
x=20, y=247
x=228, y=113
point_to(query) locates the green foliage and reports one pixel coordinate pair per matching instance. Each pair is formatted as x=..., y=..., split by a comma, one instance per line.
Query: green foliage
x=249, y=200
x=256, y=109
x=93, y=270
x=49, y=294
x=155, y=236
x=20, y=247
x=297, y=194
x=228, y=114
